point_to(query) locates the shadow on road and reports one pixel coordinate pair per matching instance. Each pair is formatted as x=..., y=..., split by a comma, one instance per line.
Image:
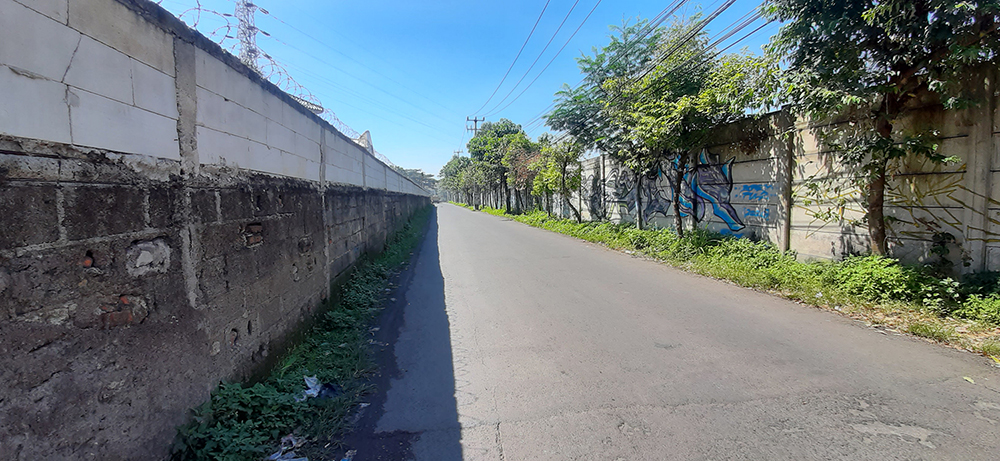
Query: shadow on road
x=414, y=398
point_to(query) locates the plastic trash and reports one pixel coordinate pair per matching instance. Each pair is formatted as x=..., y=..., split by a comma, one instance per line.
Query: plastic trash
x=285, y=453
x=349, y=456
x=312, y=386
x=316, y=389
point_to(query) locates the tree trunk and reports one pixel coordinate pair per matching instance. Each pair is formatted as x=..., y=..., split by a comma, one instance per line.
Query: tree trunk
x=678, y=179
x=876, y=186
x=506, y=193
x=638, y=201
x=876, y=217
x=576, y=213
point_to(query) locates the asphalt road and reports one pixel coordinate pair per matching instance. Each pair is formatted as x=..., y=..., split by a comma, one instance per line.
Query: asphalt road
x=514, y=343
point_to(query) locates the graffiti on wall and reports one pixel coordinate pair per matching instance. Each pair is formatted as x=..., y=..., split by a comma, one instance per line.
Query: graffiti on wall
x=705, y=185
x=757, y=192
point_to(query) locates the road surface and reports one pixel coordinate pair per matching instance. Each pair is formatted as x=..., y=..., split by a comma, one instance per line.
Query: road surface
x=515, y=343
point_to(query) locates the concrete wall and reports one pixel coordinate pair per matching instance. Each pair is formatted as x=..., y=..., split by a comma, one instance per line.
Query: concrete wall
x=754, y=182
x=168, y=219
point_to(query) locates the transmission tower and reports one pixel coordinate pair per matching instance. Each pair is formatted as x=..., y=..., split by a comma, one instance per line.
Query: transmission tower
x=247, y=33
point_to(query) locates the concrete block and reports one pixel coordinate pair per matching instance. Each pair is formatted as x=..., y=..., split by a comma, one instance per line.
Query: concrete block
x=222, y=114
x=153, y=90
x=353, y=178
x=217, y=77
x=57, y=10
x=214, y=146
x=115, y=25
x=33, y=107
x=280, y=137
x=99, y=211
x=30, y=168
x=298, y=167
x=307, y=148
x=101, y=69
x=33, y=42
x=101, y=122
x=162, y=203
x=30, y=215
x=235, y=204
x=300, y=123
x=265, y=159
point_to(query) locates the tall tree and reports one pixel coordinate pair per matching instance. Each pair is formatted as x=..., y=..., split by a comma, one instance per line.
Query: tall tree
x=489, y=146
x=673, y=109
x=872, y=58
x=581, y=111
x=559, y=171
x=453, y=177
x=518, y=157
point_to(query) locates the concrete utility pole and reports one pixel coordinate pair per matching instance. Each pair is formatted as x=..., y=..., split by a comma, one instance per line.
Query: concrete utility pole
x=475, y=124
x=247, y=33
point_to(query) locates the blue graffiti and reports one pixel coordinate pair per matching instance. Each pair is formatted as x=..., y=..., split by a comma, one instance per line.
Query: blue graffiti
x=710, y=184
x=763, y=213
x=731, y=233
x=707, y=184
x=757, y=192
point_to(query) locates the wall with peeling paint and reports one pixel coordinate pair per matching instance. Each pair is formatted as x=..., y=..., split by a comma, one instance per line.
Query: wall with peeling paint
x=168, y=218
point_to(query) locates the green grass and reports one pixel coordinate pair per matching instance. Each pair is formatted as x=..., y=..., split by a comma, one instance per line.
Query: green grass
x=879, y=290
x=243, y=421
x=931, y=331
x=991, y=348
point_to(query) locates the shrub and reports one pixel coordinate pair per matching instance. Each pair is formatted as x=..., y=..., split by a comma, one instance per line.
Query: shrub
x=982, y=308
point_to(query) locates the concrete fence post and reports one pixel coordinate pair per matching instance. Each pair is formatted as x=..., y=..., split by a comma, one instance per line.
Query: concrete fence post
x=785, y=163
x=978, y=171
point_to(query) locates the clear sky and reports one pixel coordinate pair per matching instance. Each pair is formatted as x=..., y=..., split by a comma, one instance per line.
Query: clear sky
x=411, y=71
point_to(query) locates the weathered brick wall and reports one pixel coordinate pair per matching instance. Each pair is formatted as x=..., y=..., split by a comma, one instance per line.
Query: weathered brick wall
x=167, y=219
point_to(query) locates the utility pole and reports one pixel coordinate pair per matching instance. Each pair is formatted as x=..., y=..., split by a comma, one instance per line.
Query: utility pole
x=475, y=124
x=247, y=33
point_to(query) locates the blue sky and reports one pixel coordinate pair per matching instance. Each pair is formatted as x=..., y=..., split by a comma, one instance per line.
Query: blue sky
x=412, y=71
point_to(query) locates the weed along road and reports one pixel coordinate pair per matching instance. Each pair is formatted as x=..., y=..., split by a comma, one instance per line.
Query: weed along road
x=515, y=343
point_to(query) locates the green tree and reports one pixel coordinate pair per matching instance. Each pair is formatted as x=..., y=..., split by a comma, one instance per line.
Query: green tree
x=582, y=112
x=871, y=58
x=453, y=177
x=518, y=157
x=673, y=109
x=489, y=146
x=425, y=180
x=558, y=171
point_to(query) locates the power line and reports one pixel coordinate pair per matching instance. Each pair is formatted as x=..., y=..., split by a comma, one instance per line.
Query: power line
x=687, y=37
x=736, y=27
x=540, y=54
x=362, y=64
x=650, y=26
x=551, y=60
x=515, y=57
x=390, y=94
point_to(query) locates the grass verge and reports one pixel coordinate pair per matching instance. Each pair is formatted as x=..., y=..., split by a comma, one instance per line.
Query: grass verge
x=245, y=422
x=880, y=291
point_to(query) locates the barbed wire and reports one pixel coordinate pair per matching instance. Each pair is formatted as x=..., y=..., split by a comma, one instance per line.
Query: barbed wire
x=268, y=67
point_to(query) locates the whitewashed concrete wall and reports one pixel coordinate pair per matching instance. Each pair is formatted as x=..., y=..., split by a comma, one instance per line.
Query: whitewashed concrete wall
x=104, y=74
